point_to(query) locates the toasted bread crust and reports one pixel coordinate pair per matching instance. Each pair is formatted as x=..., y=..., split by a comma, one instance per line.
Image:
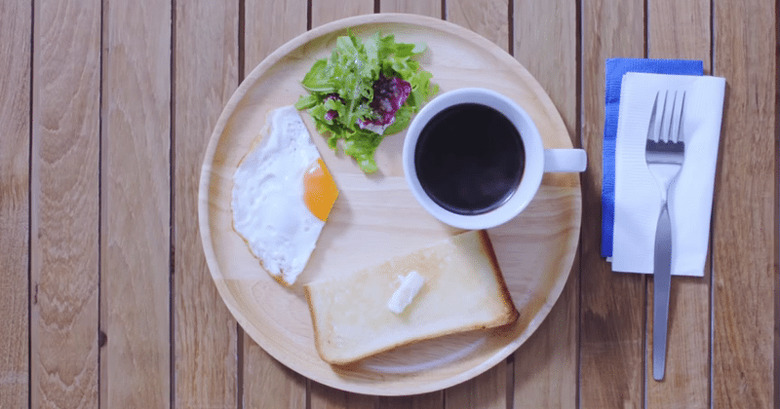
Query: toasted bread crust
x=351, y=321
x=511, y=311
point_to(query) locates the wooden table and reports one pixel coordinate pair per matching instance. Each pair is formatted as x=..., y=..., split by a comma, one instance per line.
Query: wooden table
x=106, y=108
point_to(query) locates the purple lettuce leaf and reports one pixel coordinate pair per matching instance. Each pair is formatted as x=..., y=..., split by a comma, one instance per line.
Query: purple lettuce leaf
x=390, y=93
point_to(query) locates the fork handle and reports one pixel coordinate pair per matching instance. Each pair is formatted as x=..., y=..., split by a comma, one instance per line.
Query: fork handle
x=662, y=277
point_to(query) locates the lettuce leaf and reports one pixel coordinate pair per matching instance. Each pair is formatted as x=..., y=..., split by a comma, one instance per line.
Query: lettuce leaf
x=365, y=91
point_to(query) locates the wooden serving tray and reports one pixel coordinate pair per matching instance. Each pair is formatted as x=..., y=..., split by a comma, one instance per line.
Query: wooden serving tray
x=376, y=217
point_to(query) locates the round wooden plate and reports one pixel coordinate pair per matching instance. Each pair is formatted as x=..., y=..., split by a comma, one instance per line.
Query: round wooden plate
x=376, y=217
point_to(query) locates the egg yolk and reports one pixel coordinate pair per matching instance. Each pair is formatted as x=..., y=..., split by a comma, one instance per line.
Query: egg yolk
x=319, y=190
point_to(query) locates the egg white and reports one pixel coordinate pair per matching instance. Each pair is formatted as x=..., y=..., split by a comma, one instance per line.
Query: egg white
x=268, y=207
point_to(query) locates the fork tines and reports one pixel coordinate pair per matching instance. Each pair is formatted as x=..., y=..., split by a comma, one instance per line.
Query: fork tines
x=665, y=146
x=670, y=140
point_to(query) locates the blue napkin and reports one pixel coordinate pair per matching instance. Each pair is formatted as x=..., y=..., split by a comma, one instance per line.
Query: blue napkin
x=616, y=68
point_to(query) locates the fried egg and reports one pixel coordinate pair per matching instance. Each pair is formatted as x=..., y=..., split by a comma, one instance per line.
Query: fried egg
x=282, y=196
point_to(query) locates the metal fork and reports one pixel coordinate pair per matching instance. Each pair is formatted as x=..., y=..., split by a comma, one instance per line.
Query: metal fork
x=664, y=154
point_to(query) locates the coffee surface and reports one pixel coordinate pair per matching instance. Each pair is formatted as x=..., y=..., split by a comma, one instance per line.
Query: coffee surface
x=469, y=158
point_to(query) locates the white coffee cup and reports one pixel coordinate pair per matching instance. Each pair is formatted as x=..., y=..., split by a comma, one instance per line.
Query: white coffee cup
x=459, y=108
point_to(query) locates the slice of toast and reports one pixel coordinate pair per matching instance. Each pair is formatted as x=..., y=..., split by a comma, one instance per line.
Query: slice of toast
x=463, y=290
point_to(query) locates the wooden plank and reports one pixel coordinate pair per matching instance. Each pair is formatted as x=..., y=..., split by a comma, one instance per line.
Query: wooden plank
x=15, y=79
x=324, y=397
x=206, y=74
x=64, y=250
x=268, y=24
x=324, y=11
x=268, y=383
x=265, y=382
x=545, y=367
x=489, y=18
x=424, y=401
x=430, y=8
x=612, y=317
x=681, y=29
x=135, y=205
x=488, y=390
x=551, y=26
x=745, y=209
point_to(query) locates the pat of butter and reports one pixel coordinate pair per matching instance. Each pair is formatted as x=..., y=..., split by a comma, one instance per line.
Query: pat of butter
x=403, y=296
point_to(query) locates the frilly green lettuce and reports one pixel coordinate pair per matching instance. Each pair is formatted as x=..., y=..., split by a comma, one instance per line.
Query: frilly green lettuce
x=341, y=93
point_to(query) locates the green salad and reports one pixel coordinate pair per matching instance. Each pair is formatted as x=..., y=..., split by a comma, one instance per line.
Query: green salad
x=365, y=91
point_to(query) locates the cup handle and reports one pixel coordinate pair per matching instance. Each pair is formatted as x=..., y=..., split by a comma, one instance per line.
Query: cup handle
x=565, y=160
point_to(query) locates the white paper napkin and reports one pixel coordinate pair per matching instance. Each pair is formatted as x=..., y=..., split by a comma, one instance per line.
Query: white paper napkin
x=637, y=195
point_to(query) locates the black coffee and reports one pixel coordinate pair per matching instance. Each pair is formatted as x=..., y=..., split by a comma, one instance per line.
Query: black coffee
x=469, y=158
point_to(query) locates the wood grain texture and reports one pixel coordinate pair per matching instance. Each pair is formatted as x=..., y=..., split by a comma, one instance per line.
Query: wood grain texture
x=432, y=400
x=267, y=383
x=324, y=11
x=15, y=79
x=267, y=25
x=488, y=18
x=612, y=316
x=545, y=367
x=681, y=29
x=744, y=249
x=262, y=373
x=550, y=26
x=65, y=199
x=325, y=397
x=431, y=8
x=135, y=210
x=488, y=391
x=205, y=334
